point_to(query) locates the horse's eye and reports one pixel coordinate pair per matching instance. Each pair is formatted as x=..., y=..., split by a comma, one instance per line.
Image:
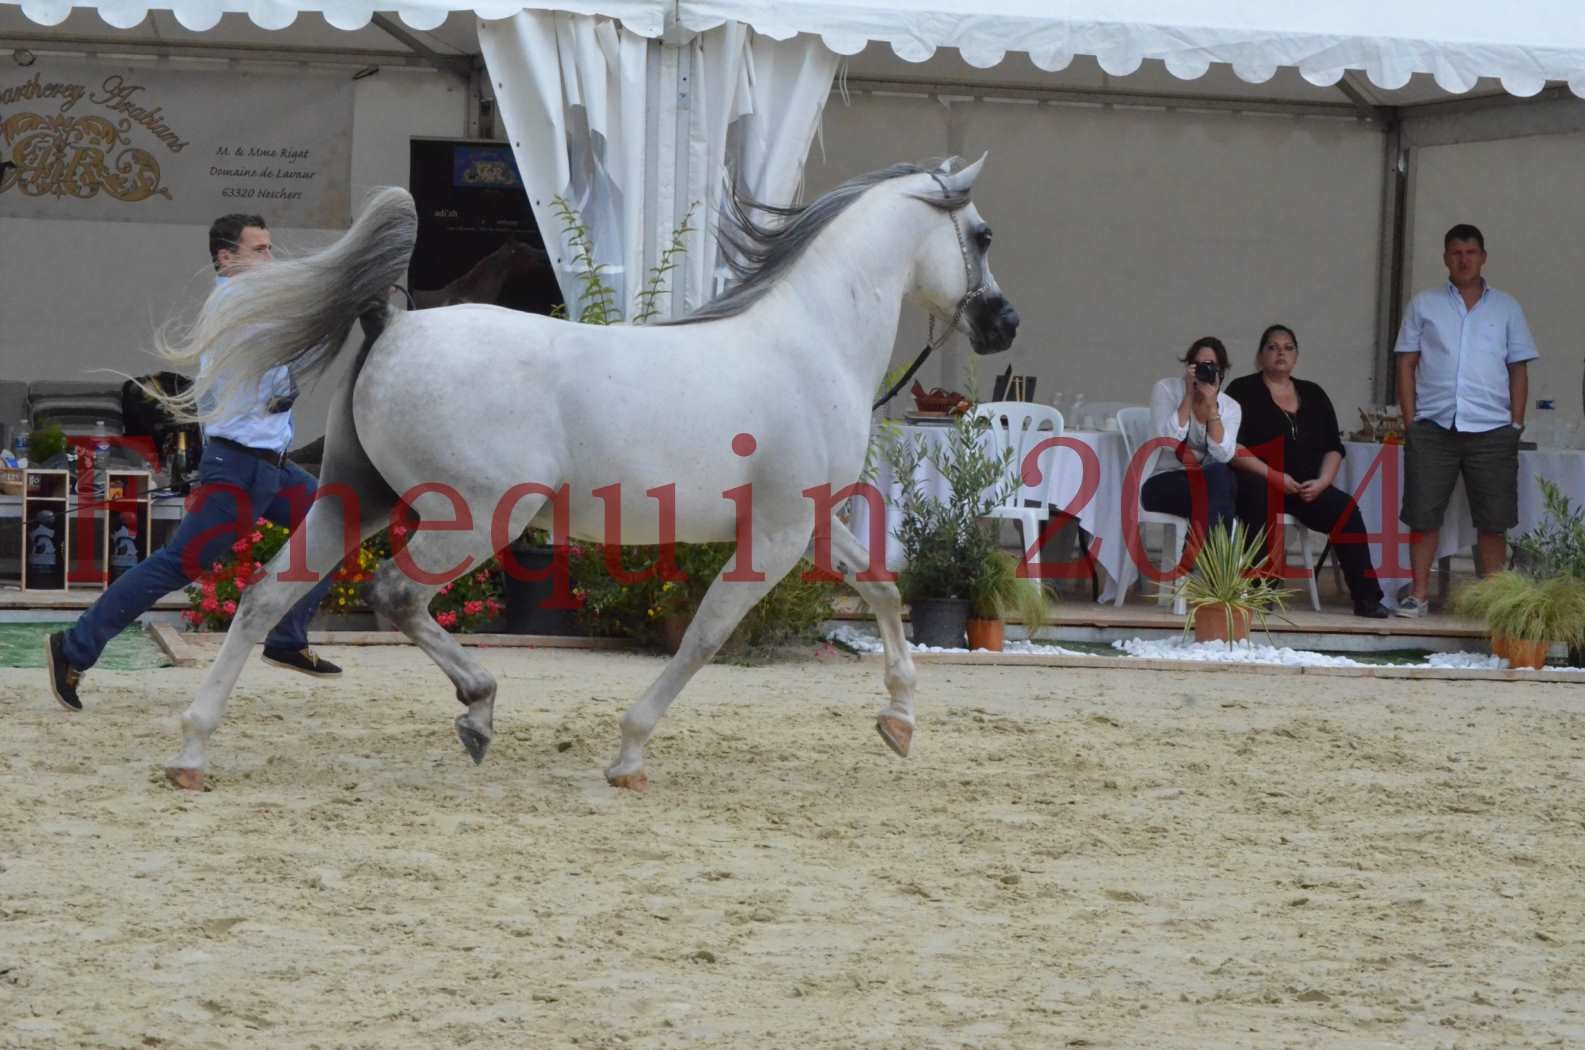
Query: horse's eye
x=983, y=237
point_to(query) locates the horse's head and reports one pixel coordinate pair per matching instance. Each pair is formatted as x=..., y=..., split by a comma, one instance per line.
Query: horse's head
x=952, y=274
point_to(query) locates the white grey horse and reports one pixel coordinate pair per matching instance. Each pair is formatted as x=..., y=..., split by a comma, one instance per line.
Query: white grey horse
x=462, y=411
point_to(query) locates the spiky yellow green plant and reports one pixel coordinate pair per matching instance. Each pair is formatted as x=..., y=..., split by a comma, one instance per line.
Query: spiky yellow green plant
x=1525, y=608
x=1227, y=574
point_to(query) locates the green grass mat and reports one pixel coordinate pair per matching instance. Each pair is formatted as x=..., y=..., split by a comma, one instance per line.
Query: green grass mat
x=22, y=645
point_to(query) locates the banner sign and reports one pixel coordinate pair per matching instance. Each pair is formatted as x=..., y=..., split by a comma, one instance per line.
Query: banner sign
x=141, y=143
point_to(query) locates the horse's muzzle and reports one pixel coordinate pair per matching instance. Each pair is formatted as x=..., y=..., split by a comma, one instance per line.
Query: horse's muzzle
x=995, y=326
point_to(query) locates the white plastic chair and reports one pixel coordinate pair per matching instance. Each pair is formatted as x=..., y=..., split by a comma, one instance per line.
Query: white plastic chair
x=1137, y=429
x=1289, y=522
x=1019, y=426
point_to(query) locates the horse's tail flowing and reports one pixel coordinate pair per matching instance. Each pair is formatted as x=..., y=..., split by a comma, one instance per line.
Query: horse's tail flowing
x=294, y=312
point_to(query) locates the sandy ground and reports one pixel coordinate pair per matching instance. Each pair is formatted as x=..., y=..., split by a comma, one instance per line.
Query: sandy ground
x=1105, y=859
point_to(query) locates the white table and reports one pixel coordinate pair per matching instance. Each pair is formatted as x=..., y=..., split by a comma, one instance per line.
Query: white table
x=1368, y=481
x=1062, y=483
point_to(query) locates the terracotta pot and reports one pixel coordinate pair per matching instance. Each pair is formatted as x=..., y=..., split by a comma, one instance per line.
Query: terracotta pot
x=1210, y=624
x=1520, y=653
x=985, y=634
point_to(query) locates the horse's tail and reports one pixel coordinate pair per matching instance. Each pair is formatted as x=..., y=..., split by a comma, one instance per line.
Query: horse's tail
x=293, y=312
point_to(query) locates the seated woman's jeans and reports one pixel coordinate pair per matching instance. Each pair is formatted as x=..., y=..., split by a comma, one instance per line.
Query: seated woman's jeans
x=1172, y=492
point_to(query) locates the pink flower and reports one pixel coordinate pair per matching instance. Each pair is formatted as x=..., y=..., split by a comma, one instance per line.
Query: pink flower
x=209, y=605
x=208, y=587
x=242, y=546
x=193, y=616
x=493, y=605
x=446, y=589
x=472, y=608
x=481, y=577
x=241, y=582
x=230, y=608
x=217, y=568
x=261, y=523
x=448, y=620
x=257, y=537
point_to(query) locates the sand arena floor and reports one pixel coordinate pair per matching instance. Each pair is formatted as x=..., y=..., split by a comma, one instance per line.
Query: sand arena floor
x=1070, y=859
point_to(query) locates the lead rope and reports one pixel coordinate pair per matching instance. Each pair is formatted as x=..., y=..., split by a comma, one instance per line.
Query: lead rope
x=931, y=342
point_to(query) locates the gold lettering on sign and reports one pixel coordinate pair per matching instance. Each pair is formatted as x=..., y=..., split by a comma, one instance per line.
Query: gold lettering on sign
x=60, y=156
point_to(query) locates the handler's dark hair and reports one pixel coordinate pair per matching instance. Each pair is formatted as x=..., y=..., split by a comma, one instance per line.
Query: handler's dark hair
x=226, y=233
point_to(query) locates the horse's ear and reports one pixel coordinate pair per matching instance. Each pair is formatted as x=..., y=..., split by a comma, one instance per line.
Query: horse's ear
x=963, y=181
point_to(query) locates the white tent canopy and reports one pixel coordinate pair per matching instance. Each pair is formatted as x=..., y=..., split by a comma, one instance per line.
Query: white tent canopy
x=1457, y=42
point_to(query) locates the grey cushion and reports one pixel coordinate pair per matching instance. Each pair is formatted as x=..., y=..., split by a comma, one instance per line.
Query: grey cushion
x=75, y=405
x=72, y=388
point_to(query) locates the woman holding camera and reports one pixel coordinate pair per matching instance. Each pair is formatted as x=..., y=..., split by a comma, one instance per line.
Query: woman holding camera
x=1192, y=411
x=1292, y=455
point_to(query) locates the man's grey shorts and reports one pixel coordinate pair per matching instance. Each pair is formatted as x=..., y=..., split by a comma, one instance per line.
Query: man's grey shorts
x=1433, y=458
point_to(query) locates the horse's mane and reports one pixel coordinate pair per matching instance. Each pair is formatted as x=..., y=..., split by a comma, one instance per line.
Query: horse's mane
x=761, y=254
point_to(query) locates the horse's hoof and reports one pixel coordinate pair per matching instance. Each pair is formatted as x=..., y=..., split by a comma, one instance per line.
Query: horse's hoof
x=473, y=741
x=186, y=779
x=897, y=733
x=631, y=781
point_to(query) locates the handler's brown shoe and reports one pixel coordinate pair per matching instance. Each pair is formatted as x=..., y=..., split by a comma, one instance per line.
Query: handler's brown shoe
x=303, y=660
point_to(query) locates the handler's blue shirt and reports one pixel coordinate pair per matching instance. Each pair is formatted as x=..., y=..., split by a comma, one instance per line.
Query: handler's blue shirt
x=253, y=424
x=1462, y=377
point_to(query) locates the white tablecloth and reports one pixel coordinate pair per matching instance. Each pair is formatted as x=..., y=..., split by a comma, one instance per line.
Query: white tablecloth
x=1061, y=485
x=1563, y=466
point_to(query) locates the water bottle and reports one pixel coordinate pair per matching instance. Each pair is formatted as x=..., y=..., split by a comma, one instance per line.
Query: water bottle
x=1545, y=424
x=101, y=462
x=20, y=443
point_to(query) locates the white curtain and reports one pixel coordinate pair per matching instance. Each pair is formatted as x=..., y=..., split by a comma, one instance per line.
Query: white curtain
x=632, y=133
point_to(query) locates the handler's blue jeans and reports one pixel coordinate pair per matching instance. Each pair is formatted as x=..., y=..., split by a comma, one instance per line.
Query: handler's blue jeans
x=234, y=490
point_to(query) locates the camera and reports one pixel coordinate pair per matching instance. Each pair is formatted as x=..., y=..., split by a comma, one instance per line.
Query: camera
x=1206, y=372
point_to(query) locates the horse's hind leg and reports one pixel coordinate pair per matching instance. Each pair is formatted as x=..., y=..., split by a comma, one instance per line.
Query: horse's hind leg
x=723, y=607
x=405, y=601
x=895, y=721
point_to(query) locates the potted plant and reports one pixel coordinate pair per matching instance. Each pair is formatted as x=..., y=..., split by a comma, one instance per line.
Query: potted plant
x=945, y=542
x=1526, y=614
x=996, y=592
x=1555, y=547
x=1227, y=588
x=528, y=591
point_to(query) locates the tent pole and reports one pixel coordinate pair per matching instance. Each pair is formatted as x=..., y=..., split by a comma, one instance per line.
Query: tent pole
x=1393, y=260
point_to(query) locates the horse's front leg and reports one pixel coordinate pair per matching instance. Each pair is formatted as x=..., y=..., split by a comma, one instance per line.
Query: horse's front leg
x=896, y=720
x=724, y=606
x=261, y=608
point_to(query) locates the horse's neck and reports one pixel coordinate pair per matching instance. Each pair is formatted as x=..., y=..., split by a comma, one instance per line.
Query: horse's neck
x=850, y=285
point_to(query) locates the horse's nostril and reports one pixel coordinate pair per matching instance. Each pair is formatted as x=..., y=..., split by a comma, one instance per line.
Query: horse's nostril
x=1010, y=317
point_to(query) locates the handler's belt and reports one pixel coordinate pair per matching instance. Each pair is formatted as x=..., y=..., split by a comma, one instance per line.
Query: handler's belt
x=273, y=458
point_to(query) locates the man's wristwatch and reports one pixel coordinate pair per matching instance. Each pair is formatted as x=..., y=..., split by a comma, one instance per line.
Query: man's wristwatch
x=1516, y=425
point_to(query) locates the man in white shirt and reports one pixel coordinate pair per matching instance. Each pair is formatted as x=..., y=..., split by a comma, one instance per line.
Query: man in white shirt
x=244, y=474
x=1463, y=352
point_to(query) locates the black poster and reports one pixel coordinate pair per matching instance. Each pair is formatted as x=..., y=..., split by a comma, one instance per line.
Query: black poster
x=477, y=239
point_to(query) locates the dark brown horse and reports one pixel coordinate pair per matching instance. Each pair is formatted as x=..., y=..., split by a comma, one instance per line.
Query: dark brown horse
x=483, y=283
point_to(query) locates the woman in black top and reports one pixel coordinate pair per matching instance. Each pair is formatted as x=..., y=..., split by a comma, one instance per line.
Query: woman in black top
x=1290, y=448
